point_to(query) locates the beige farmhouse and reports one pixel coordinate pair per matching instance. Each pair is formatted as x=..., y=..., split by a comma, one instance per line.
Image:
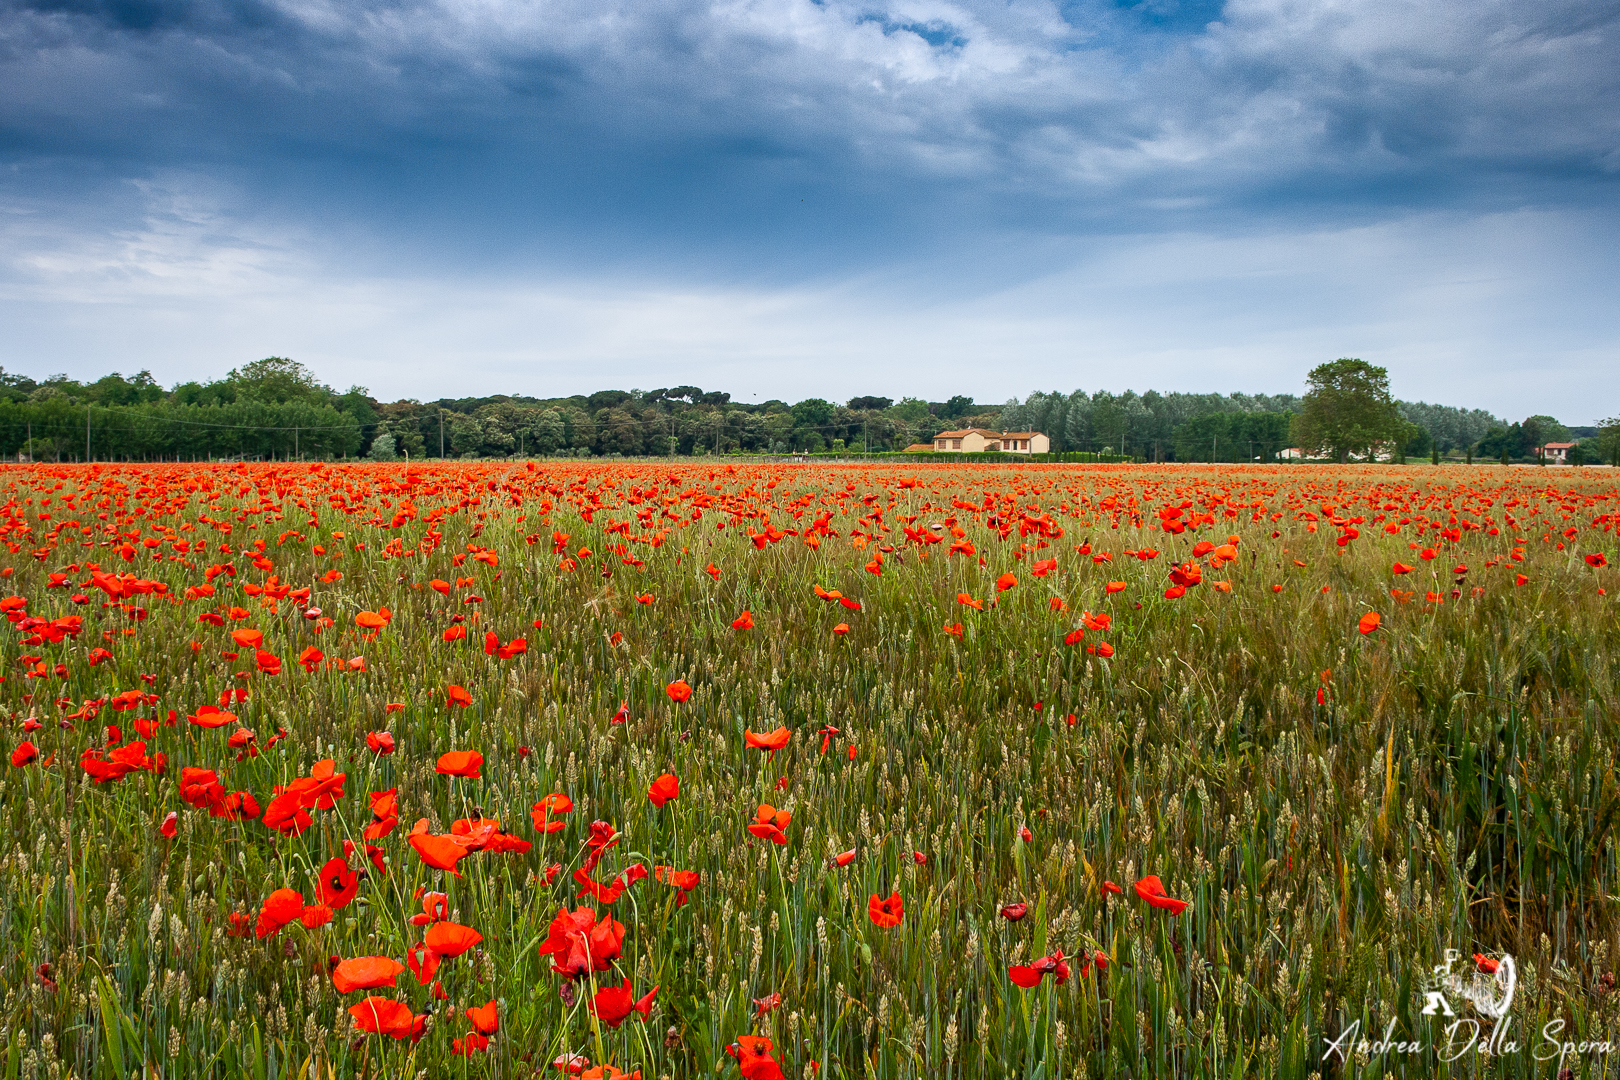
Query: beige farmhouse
x=978, y=440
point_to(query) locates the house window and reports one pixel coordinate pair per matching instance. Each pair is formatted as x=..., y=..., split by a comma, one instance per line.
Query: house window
x=956, y=444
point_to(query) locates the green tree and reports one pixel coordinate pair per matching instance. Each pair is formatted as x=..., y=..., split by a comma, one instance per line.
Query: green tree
x=278, y=379
x=382, y=448
x=1348, y=410
x=812, y=413
x=1609, y=441
x=911, y=410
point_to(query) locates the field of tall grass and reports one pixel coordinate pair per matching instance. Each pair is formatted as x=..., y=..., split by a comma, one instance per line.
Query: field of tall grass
x=1008, y=705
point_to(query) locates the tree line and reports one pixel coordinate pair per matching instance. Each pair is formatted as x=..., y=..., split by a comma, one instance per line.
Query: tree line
x=276, y=409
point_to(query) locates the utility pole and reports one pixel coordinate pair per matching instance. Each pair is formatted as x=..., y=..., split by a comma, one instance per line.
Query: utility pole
x=1214, y=441
x=441, y=433
x=295, y=442
x=87, y=434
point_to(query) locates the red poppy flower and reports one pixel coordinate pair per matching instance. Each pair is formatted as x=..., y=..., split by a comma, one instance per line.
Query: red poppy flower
x=1151, y=889
x=578, y=943
x=769, y=823
x=1369, y=622
x=280, y=908
x=465, y=763
x=485, y=1018
x=1028, y=976
x=678, y=691
x=664, y=789
x=745, y=621
x=614, y=1004
x=380, y=742
x=770, y=740
x=451, y=939
x=457, y=695
x=25, y=754
x=556, y=803
x=472, y=1043
x=1014, y=912
x=886, y=913
x=171, y=825
x=315, y=916
x=380, y=1016
x=423, y=962
x=437, y=850
x=753, y=1054
x=373, y=620
x=1596, y=560
x=338, y=884
x=844, y=858
x=684, y=880
x=212, y=716
x=1005, y=582
x=248, y=639
x=365, y=973
x=384, y=814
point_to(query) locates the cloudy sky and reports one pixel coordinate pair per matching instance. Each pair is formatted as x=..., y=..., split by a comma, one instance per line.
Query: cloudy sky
x=791, y=198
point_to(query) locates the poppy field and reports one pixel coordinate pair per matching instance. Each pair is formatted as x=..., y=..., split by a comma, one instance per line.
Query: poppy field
x=669, y=770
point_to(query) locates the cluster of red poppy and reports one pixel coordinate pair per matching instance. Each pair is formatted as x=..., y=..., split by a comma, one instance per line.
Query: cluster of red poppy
x=1023, y=528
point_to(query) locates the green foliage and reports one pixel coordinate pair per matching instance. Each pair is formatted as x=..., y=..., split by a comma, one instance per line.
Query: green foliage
x=1608, y=441
x=1347, y=409
x=1232, y=436
x=812, y=412
x=910, y=410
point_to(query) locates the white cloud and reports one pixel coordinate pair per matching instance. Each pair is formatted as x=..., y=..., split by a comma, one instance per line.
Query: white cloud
x=1505, y=312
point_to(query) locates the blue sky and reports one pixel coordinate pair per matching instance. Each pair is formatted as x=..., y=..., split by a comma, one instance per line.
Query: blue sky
x=791, y=198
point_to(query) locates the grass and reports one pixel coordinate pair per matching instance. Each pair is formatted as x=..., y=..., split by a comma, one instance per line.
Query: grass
x=1452, y=786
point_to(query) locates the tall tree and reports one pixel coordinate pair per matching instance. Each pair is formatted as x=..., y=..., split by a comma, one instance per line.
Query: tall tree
x=1348, y=409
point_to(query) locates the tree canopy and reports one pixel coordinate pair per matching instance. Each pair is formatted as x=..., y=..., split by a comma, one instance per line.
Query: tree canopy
x=1347, y=410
